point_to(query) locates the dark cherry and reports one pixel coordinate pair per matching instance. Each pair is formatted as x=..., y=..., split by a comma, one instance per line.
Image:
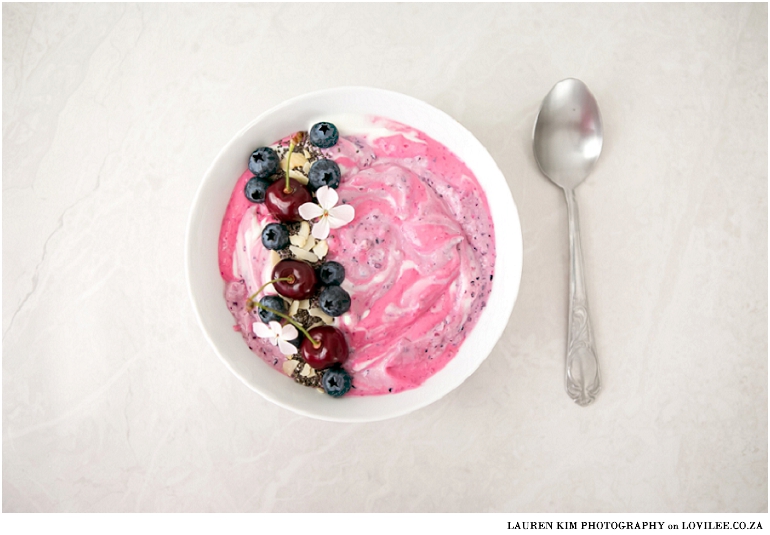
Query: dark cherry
x=333, y=349
x=304, y=283
x=285, y=206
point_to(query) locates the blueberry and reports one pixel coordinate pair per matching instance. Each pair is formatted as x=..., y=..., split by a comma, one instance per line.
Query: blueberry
x=275, y=236
x=334, y=300
x=336, y=381
x=324, y=135
x=324, y=173
x=255, y=189
x=263, y=162
x=331, y=273
x=274, y=302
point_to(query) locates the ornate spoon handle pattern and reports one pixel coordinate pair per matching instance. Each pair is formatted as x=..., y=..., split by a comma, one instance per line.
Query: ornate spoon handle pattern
x=581, y=378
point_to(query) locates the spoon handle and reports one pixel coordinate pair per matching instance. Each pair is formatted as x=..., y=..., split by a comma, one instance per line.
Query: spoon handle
x=582, y=366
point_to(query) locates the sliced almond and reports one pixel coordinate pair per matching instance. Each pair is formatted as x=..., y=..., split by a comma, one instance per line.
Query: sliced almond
x=307, y=371
x=289, y=366
x=274, y=257
x=303, y=254
x=297, y=160
x=304, y=229
x=323, y=316
x=320, y=249
x=307, y=154
x=298, y=239
x=294, y=308
x=298, y=176
x=304, y=304
x=309, y=244
x=306, y=168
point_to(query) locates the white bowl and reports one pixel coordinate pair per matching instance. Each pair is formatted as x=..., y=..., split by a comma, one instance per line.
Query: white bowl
x=207, y=288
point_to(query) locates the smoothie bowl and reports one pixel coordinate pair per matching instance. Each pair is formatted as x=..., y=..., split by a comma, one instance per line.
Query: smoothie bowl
x=353, y=254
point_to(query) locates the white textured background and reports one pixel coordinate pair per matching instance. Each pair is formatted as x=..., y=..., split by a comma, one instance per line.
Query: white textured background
x=112, y=400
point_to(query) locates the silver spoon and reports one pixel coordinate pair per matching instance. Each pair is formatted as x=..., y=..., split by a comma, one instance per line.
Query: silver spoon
x=567, y=141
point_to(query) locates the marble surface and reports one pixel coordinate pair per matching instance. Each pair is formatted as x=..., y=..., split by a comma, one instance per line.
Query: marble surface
x=112, y=400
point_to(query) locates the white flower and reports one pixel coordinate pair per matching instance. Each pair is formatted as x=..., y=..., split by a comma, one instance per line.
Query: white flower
x=277, y=335
x=331, y=216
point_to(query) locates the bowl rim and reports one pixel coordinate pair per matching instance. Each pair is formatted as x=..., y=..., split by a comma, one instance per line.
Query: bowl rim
x=513, y=277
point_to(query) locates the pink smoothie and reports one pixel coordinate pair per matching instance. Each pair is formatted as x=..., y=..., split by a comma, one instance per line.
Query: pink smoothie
x=419, y=256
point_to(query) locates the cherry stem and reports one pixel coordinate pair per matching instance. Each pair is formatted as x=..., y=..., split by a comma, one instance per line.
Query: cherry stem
x=316, y=343
x=288, y=189
x=250, y=301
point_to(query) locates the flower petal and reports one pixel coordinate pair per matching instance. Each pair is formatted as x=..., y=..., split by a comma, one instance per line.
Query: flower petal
x=276, y=328
x=341, y=215
x=286, y=348
x=310, y=211
x=289, y=332
x=262, y=330
x=327, y=197
x=321, y=229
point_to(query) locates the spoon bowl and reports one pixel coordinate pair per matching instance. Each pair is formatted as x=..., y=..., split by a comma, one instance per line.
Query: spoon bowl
x=567, y=141
x=568, y=134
